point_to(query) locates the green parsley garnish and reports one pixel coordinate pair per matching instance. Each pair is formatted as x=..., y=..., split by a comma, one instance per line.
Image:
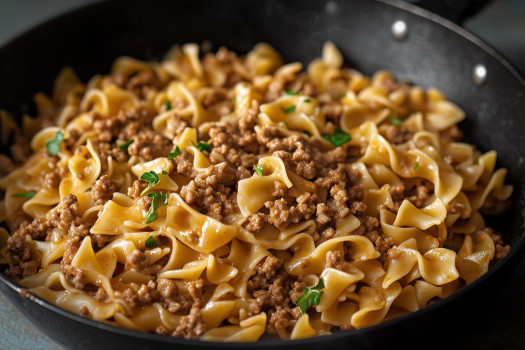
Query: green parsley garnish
x=289, y=92
x=151, y=178
x=341, y=96
x=258, y=169
x=53, y=146
x=124, y=147
x=168, y=105
x=26, y=195
x=395, y=120
x=151, y=242
x=306, y=133
x=157, y=200
x=415, y=167
x=164, y=172
x=312, y=296
x=338, y=138
x=307, y=100
x=203, y=146
x=173, y=154
x=288, y=110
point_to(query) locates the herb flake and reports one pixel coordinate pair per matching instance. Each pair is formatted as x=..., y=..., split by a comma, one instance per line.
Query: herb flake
x=288, y=110
x=168, y=105
x=173, y=154
x=124, y=147
x=151, y=242
x=258, y=169
x=307, y=100
x=157, y=200
x=289, y=92
x=338, y=138
x=53, y=146
x=395, y=120
x=306, y=133
x=151, y=178
x=26, y=195
x=312, y=296
x=203, y=146
x=415, y=167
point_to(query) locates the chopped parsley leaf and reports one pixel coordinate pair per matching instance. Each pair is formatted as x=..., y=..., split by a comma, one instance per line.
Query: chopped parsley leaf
x=173, y=154
x=415, y=166
x=157, y=200
x=312, y=296
x=307, y=100
x=258, y=169
x=306, y=133
x=395, y=120
x=26, y=195
x=164, y=172
x=53, y=146
x=151, y=242
x=168, y=105
x=203, y=146
x=151, y=178
x=124, y=147
x=289, y=92
x=338, y=138
x=288, y=110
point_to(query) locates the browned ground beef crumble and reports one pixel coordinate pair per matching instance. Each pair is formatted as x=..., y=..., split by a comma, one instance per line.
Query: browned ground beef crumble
x=335, y=193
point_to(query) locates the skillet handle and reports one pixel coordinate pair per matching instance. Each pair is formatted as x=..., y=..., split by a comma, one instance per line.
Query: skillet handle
x=456, y=11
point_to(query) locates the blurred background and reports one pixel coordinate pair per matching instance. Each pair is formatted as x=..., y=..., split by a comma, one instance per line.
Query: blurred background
x=500, y=23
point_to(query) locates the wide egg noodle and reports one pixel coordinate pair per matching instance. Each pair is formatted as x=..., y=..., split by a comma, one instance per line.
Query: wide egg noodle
x=194, y=262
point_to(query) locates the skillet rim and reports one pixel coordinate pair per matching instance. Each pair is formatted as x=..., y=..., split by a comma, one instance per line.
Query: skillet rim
x=417, y=11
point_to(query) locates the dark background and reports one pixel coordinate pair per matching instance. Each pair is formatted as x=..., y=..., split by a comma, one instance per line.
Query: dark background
x=500, y=322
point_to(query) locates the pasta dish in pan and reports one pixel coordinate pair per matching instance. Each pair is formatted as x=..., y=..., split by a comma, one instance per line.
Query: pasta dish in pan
x=229, y=198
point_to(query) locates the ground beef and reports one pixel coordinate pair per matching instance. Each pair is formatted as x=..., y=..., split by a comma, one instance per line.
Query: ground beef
x=184, y=164
x=419, y=193
x=191, y=325
x=149, y=145
x=103, y=189
x=65, y=216
x=371, y=228
x=275, y=292
x=397, y=134
x=176, y=125
x=281, y=214
x=501, y=249
x=136, y=188
x=210, y=191
x=50, y=180
x=137, y=260
x=334, y=259
x=143, y=82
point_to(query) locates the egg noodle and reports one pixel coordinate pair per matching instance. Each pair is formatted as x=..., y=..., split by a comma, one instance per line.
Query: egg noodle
x=230, y=198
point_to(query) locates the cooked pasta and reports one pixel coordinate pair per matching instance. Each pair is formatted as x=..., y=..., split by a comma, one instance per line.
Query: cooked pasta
x=230, y=198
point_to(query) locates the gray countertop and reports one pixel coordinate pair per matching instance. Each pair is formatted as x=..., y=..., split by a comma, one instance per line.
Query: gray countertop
x=501, y=24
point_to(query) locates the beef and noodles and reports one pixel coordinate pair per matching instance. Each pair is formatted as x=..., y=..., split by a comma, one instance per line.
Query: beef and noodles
x=232, y=198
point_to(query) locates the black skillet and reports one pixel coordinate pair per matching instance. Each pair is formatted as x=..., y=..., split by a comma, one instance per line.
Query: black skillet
x=434, y=52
